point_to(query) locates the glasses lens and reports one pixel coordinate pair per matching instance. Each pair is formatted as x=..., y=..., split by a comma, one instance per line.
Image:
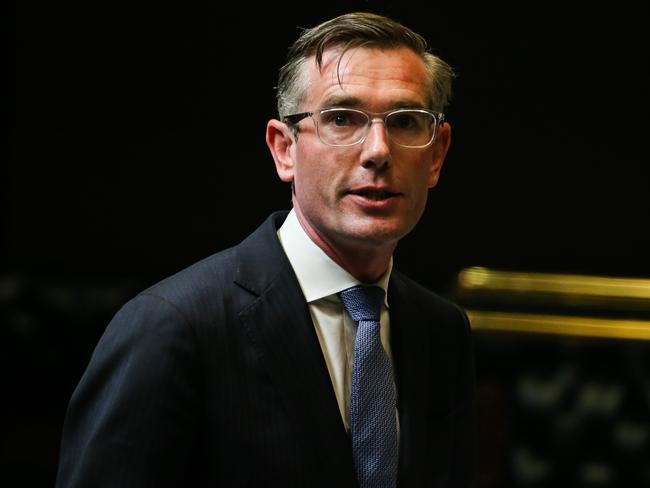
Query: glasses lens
x=345, y=127
x=411, y=128
x=342, y=127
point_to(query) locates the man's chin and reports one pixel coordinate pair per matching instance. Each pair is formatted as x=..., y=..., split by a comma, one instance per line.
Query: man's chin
x=375, y=232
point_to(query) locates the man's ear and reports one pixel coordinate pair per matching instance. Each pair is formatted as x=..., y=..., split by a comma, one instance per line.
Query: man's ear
x=440, y=148
x=281, y=142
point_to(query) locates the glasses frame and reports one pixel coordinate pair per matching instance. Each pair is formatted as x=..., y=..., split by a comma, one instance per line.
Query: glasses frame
x=439, y=118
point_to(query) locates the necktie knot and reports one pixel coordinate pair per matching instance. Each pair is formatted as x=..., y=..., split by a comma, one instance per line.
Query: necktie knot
x=363, y=302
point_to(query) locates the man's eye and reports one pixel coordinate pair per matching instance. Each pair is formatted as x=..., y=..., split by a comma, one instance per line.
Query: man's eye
x=341, y=119
x=403, y=121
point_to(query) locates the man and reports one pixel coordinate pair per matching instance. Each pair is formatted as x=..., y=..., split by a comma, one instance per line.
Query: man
x=244, y=369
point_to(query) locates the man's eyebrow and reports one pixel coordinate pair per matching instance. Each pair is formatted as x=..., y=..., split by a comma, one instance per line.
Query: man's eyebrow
x=354, y=102
x=342, y=101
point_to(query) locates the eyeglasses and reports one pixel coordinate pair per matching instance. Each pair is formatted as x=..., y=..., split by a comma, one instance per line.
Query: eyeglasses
x=407, y=127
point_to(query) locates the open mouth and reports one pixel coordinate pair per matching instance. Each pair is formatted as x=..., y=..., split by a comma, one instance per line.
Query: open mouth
x=377, y=195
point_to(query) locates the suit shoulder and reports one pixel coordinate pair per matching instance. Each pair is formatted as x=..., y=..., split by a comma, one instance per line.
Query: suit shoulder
x=209, y=279
x=196, y=290
x=424, y=299
x=200, y=276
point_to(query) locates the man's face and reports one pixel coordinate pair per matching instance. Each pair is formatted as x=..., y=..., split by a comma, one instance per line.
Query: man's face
x=373, y=193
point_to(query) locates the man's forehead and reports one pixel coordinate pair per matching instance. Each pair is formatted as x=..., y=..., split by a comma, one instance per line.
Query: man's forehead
x=343, y=67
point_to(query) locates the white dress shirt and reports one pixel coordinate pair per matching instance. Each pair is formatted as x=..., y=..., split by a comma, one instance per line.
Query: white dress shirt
x=320, y=279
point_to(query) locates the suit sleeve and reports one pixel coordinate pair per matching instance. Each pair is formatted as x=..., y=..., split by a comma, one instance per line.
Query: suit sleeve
x=132, y=420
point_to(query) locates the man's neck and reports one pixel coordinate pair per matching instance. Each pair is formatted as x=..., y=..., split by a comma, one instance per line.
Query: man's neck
x=367, y=264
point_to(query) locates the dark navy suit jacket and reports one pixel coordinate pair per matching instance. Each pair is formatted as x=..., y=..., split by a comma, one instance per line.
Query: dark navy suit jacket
x=215, y=377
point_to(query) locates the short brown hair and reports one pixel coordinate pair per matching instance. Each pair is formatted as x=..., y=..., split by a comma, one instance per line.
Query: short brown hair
x=357, y=29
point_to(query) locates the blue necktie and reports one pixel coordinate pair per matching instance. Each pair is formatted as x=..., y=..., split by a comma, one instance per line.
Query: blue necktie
x=373, y=424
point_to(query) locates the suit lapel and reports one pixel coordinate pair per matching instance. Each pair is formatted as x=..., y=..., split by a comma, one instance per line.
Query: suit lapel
x=281, y=330
x=410, y=340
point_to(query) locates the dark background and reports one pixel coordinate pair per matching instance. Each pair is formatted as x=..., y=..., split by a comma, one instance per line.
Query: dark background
x=136, y=147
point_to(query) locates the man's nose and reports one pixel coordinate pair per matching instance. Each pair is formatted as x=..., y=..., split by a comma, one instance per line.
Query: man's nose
x=376, y=147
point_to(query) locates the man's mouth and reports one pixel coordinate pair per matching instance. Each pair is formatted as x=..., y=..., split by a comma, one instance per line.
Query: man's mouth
x=374, y=194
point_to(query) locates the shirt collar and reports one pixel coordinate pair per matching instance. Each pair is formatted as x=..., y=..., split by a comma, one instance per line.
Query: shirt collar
x=319, y=276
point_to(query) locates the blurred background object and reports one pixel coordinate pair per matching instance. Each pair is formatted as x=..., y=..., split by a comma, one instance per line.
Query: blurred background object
x=563, y=364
